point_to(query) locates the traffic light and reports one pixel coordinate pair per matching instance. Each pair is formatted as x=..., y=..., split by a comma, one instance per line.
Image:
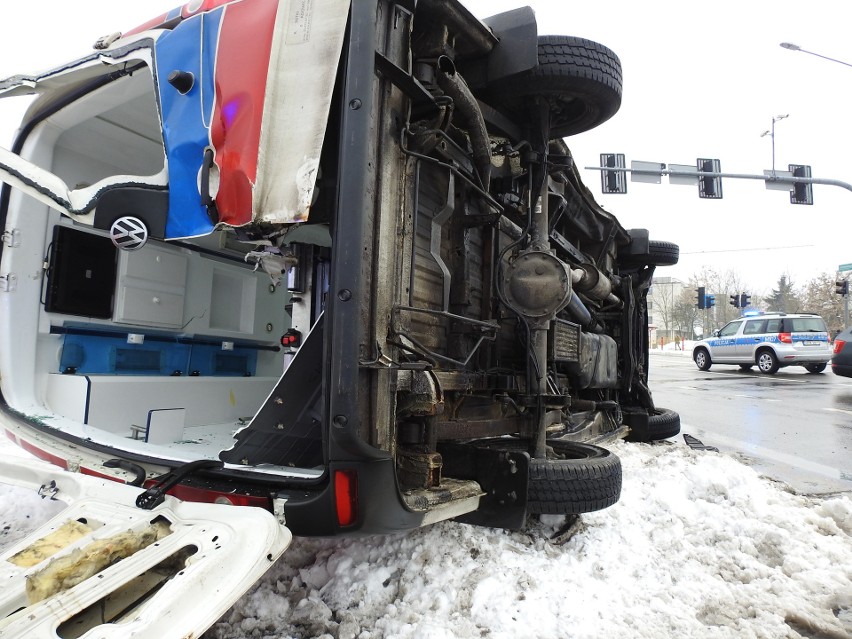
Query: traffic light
x=709, y=187
x=841, y=287
x=735, y=300
x=745, y=300
x=801, y=193
x=700, y=299
x=710, y=301
x=613, y=181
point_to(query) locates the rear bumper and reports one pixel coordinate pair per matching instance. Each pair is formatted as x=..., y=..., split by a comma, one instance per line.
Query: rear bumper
x=788, y=354
x=844, y=370
x=804, y=358
x=310, y=508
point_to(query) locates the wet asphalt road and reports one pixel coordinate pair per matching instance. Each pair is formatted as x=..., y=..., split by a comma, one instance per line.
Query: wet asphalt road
x=793, y=426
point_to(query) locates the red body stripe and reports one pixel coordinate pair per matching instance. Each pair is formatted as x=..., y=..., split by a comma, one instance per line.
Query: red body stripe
x=159, y=21
x=43, y=454
x=242, y=63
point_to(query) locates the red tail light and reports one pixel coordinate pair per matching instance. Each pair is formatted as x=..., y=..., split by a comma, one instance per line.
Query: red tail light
x=205, y=495
x=838, y=345
x=787, y=338
x=346, y=496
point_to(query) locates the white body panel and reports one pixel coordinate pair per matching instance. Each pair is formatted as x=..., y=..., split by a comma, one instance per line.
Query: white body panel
x=229, y=553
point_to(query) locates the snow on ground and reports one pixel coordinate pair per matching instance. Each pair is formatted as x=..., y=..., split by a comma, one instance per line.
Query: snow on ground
x=699, y=546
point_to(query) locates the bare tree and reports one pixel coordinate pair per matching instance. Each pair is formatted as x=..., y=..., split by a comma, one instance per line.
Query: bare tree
x=722, y=285
x=818, y=296
x=685, y=315
x=664, y=303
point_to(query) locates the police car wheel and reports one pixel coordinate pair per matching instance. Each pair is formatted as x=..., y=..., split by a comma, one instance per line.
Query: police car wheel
x=815, y=368
x=767, y=362
x=702, y=359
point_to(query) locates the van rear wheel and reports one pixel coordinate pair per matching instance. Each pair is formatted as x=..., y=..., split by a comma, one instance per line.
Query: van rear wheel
x=575, y=478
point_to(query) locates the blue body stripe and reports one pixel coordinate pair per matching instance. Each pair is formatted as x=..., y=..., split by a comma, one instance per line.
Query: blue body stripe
x=758, y=339
x=191, y=47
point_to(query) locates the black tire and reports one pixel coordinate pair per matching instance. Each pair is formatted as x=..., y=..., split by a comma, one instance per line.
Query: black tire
x=701, y=357
x=767, y=362
x=575, y=478
x=662, y=424
x=746, y=367
x=815, y=368
x=659, y=254
x=663, y=253
x=580, y=79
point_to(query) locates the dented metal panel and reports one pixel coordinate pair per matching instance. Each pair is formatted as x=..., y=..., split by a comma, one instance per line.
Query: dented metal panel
x=254, y=107
x=308, y=35
x=244, y=132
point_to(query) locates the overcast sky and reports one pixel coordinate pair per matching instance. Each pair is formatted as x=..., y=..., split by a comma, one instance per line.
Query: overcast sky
x=699, y=81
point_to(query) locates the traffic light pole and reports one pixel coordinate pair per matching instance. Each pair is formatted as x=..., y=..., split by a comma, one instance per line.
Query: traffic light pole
x=772, y=178
x=841, y=287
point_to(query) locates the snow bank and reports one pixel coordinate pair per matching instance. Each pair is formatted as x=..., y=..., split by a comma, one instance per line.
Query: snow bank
x=699, y=546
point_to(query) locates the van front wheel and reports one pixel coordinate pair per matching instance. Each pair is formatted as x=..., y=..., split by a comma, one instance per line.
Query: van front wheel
x=579, y=79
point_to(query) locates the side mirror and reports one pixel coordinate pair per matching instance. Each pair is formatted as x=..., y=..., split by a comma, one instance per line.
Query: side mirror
x=716, y=333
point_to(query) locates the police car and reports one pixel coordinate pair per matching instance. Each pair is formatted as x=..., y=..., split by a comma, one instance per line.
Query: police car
x=770, y=341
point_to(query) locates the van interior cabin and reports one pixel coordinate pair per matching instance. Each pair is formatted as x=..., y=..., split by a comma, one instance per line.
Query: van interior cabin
x=169, y=348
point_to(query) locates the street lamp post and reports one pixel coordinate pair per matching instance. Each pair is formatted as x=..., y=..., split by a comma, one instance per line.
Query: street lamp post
x=771, y=133
x=795, y=47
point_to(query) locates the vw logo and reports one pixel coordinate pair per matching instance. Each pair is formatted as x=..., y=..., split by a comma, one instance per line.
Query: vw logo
x=128, y=233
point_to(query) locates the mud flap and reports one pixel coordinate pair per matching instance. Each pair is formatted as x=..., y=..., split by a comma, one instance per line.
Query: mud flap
x=503, y=475
x=105, y=567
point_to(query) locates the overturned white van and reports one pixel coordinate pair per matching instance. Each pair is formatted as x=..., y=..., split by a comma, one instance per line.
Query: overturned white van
x=333, y=259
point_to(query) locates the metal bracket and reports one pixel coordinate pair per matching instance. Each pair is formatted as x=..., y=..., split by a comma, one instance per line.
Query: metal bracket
x=697, y=444
x=8, y=283
x=278, y=504
x=404, y=81
x=12, y=238
x=48, y=491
